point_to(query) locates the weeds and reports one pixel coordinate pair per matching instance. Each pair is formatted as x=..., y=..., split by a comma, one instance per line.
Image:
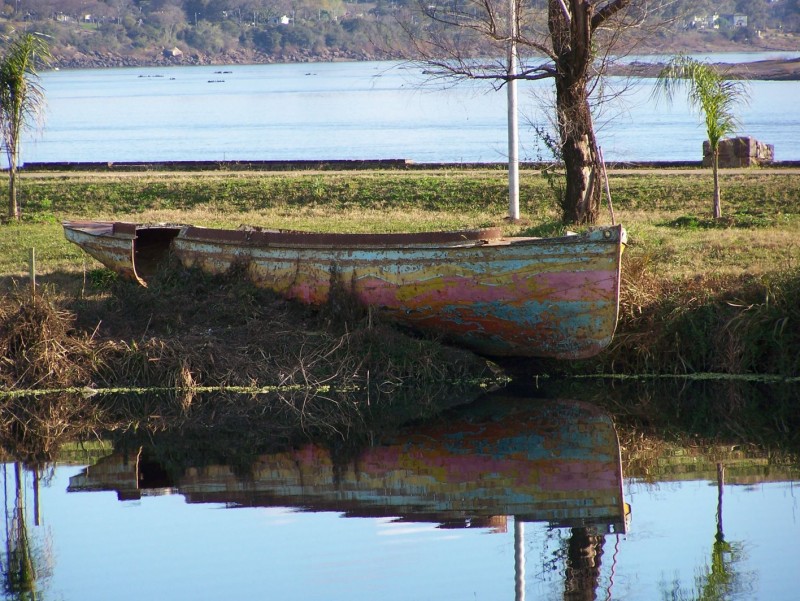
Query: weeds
x=39, y=346
x=35, y=428
x=721, y=324
x=332, y=372
x=189, y=330
x=684, y=426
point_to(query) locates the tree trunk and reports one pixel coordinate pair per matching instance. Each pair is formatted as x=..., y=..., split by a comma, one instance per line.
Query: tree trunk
x=581, y=202
x=572, y=46
x=14, y=213
x=715, y=169
x=583, y=563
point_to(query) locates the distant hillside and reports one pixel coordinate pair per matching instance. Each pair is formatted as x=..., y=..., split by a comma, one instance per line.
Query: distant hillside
x=104, y=33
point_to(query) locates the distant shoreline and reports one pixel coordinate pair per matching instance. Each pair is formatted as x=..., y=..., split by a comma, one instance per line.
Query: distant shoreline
x=766, y=70
x=688, y=43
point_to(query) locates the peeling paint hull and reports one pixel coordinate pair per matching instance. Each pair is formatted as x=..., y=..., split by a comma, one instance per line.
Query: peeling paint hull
x=530, y=297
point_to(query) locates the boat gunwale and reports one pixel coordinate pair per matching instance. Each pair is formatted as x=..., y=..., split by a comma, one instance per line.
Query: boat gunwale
x=115, y=229
x=468, y=238
x=254, y=236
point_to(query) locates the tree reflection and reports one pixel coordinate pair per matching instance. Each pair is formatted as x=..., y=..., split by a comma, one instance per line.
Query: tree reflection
x=19, y=576
x=24, y=563
x=584, y=554
x=718, y=580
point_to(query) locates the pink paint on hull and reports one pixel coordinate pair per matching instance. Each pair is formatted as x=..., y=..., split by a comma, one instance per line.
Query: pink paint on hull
x=584, y=286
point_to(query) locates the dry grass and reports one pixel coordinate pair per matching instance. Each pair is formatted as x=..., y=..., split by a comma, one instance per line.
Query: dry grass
x=218, y=355
x=277, y=371
x=725, y=252
x=188, y=331
x=39, y=345
x=317, y=218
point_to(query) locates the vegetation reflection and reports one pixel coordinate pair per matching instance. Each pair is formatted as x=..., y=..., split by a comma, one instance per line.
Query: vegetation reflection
x=26, y=561
x=720, y=579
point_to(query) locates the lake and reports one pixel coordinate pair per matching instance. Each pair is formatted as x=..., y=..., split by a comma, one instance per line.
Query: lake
x=360, y=110
x=507, y=497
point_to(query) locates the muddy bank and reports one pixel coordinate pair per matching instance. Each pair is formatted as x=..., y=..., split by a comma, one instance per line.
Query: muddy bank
x=767, y=70
x=771, y=70
x=106, y=60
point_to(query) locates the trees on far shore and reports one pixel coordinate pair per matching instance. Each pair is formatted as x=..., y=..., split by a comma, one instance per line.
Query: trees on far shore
x=89, y=33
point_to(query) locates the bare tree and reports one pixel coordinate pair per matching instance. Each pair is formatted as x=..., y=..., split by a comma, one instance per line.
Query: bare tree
x=564, y=40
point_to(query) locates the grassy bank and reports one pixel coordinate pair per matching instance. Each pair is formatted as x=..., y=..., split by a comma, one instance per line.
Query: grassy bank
x=698, y=295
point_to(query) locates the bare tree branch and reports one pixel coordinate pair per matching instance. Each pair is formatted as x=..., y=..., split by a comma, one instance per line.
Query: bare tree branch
x=608, y=11
x=565, y=10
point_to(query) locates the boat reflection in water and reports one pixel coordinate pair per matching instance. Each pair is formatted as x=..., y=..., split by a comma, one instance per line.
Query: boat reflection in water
x=536, y=460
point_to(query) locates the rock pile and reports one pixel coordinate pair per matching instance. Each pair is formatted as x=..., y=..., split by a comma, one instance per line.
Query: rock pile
x=740, y=152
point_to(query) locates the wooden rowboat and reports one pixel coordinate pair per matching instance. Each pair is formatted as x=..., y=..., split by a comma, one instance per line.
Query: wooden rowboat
x=500, y=296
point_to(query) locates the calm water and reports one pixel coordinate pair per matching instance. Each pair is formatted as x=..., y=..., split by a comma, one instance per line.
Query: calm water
x=420, y=516
x=161, y=547
x=355, y=111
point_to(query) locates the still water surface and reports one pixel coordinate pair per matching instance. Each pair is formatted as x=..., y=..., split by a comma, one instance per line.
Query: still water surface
x=362, y=110
x=161, y=547
x=502, y=500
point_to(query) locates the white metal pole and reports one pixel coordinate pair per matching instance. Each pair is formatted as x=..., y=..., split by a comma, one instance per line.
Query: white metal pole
x=519, y=559
x=513, y=119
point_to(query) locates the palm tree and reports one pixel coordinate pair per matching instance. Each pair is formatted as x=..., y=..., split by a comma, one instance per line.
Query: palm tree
x=21, y=101
x=712, y=95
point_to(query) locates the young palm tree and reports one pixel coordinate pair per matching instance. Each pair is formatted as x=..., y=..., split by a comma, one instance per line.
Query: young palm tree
x=711, y=94
x=21, y=101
